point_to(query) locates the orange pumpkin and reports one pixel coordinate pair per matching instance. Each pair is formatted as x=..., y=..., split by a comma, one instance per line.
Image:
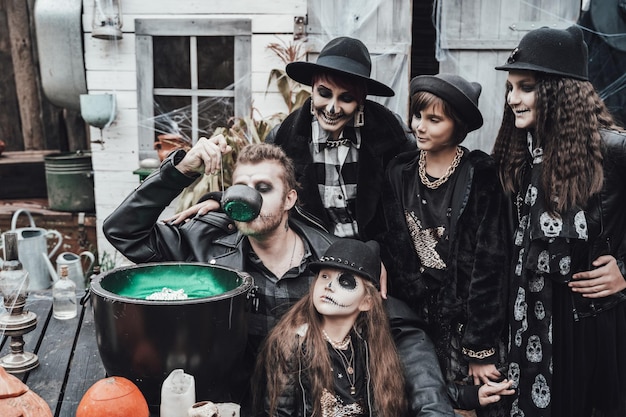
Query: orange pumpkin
x=16, y=400
x=115, y=396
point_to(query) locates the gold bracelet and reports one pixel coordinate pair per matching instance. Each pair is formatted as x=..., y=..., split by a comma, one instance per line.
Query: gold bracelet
x=482, y=354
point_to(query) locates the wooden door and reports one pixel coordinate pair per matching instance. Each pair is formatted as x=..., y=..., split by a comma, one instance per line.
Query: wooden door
x=385, y=28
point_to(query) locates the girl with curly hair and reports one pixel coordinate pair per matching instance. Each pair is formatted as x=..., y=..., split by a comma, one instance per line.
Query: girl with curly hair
x=562, y=160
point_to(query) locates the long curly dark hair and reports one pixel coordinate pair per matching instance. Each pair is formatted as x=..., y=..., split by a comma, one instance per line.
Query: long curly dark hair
x=277, y=368
x=570, y=115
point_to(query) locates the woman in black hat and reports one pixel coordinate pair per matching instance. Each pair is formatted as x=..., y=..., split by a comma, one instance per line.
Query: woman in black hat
x=341, y=142
x=446, y=248
x=562, y=160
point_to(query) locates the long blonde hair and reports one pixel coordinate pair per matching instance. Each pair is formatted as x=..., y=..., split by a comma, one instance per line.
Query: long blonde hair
x=275, y=364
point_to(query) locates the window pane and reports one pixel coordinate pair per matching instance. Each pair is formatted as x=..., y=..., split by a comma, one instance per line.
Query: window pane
x=216, y=62
x=214, y=112
x=172, y=115
x=171, y=62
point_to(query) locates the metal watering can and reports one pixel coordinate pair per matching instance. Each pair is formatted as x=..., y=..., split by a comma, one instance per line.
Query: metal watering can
x=74, y=264
x=32, y=245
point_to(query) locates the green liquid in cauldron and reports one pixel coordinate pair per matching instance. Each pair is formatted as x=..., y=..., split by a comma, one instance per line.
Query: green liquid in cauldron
x=196, y=282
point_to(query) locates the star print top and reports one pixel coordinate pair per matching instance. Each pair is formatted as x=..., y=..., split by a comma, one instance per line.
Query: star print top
x=343, y=403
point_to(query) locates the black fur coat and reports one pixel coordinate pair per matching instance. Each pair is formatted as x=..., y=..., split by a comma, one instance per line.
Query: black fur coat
x=470, y=299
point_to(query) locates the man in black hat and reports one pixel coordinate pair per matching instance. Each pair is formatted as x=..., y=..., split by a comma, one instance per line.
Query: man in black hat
x=274, y=248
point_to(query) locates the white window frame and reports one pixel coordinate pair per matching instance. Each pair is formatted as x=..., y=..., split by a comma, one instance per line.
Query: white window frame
x=145, y=29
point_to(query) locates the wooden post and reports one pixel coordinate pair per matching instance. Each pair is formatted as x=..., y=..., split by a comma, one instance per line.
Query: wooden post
x=25, y=74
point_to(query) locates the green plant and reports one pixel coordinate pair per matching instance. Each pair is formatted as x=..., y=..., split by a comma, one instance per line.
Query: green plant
x=293, y=93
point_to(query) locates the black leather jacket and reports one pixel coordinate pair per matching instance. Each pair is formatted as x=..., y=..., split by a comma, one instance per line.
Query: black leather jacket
x=606, y=218
x=133, y=229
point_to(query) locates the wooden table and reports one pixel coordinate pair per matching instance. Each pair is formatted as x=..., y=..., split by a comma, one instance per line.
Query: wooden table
x=69, y=362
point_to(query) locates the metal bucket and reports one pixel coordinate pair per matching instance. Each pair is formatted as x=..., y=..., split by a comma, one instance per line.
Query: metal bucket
x=144, y=340
x=69, y=180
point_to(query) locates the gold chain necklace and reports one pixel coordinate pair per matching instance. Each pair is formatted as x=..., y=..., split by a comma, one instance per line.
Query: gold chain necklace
x=337, y=345
x=348, y=366
x=435, y=184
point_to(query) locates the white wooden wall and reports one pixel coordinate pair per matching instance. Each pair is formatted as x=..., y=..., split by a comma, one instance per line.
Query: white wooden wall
x=111, y=68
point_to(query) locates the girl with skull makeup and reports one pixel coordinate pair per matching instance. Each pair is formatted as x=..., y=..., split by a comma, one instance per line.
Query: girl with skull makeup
x=332, y=353
x=562, y=159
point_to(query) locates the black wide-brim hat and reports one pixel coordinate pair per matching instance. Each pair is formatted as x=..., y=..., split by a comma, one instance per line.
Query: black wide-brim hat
x=459, y=93
x=351, y=255
x=551, y=51
x=347, y=57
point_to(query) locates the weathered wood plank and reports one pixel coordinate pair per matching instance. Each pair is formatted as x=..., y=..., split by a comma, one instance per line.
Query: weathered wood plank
x=54, y=354
x=86, y=366
x=204, y=7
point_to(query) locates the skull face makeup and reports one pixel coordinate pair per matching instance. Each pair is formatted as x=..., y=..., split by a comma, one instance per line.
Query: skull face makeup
x=339, y=293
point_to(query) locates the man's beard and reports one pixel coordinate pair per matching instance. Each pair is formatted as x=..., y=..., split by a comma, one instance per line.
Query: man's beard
x=264, y=224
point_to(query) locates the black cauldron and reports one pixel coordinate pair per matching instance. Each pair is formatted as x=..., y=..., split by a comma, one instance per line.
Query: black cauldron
x=144, y=340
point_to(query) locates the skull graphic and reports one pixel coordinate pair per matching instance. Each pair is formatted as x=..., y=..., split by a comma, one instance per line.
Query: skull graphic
x=531, y=195
x=536, y=283
x=534, y=352
x=540, y=311
x=580, y=222
x=550, y=225
x=540, y=392
x=519, y=311
x=543, y=261
x=564, y=265
x=520, y=264
x=515, y=411
x=514, y=373
x=519, y=233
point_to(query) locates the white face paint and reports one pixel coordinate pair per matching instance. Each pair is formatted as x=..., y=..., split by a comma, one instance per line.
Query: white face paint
x=522, y=98
x=338, y=293
x=266, y=178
